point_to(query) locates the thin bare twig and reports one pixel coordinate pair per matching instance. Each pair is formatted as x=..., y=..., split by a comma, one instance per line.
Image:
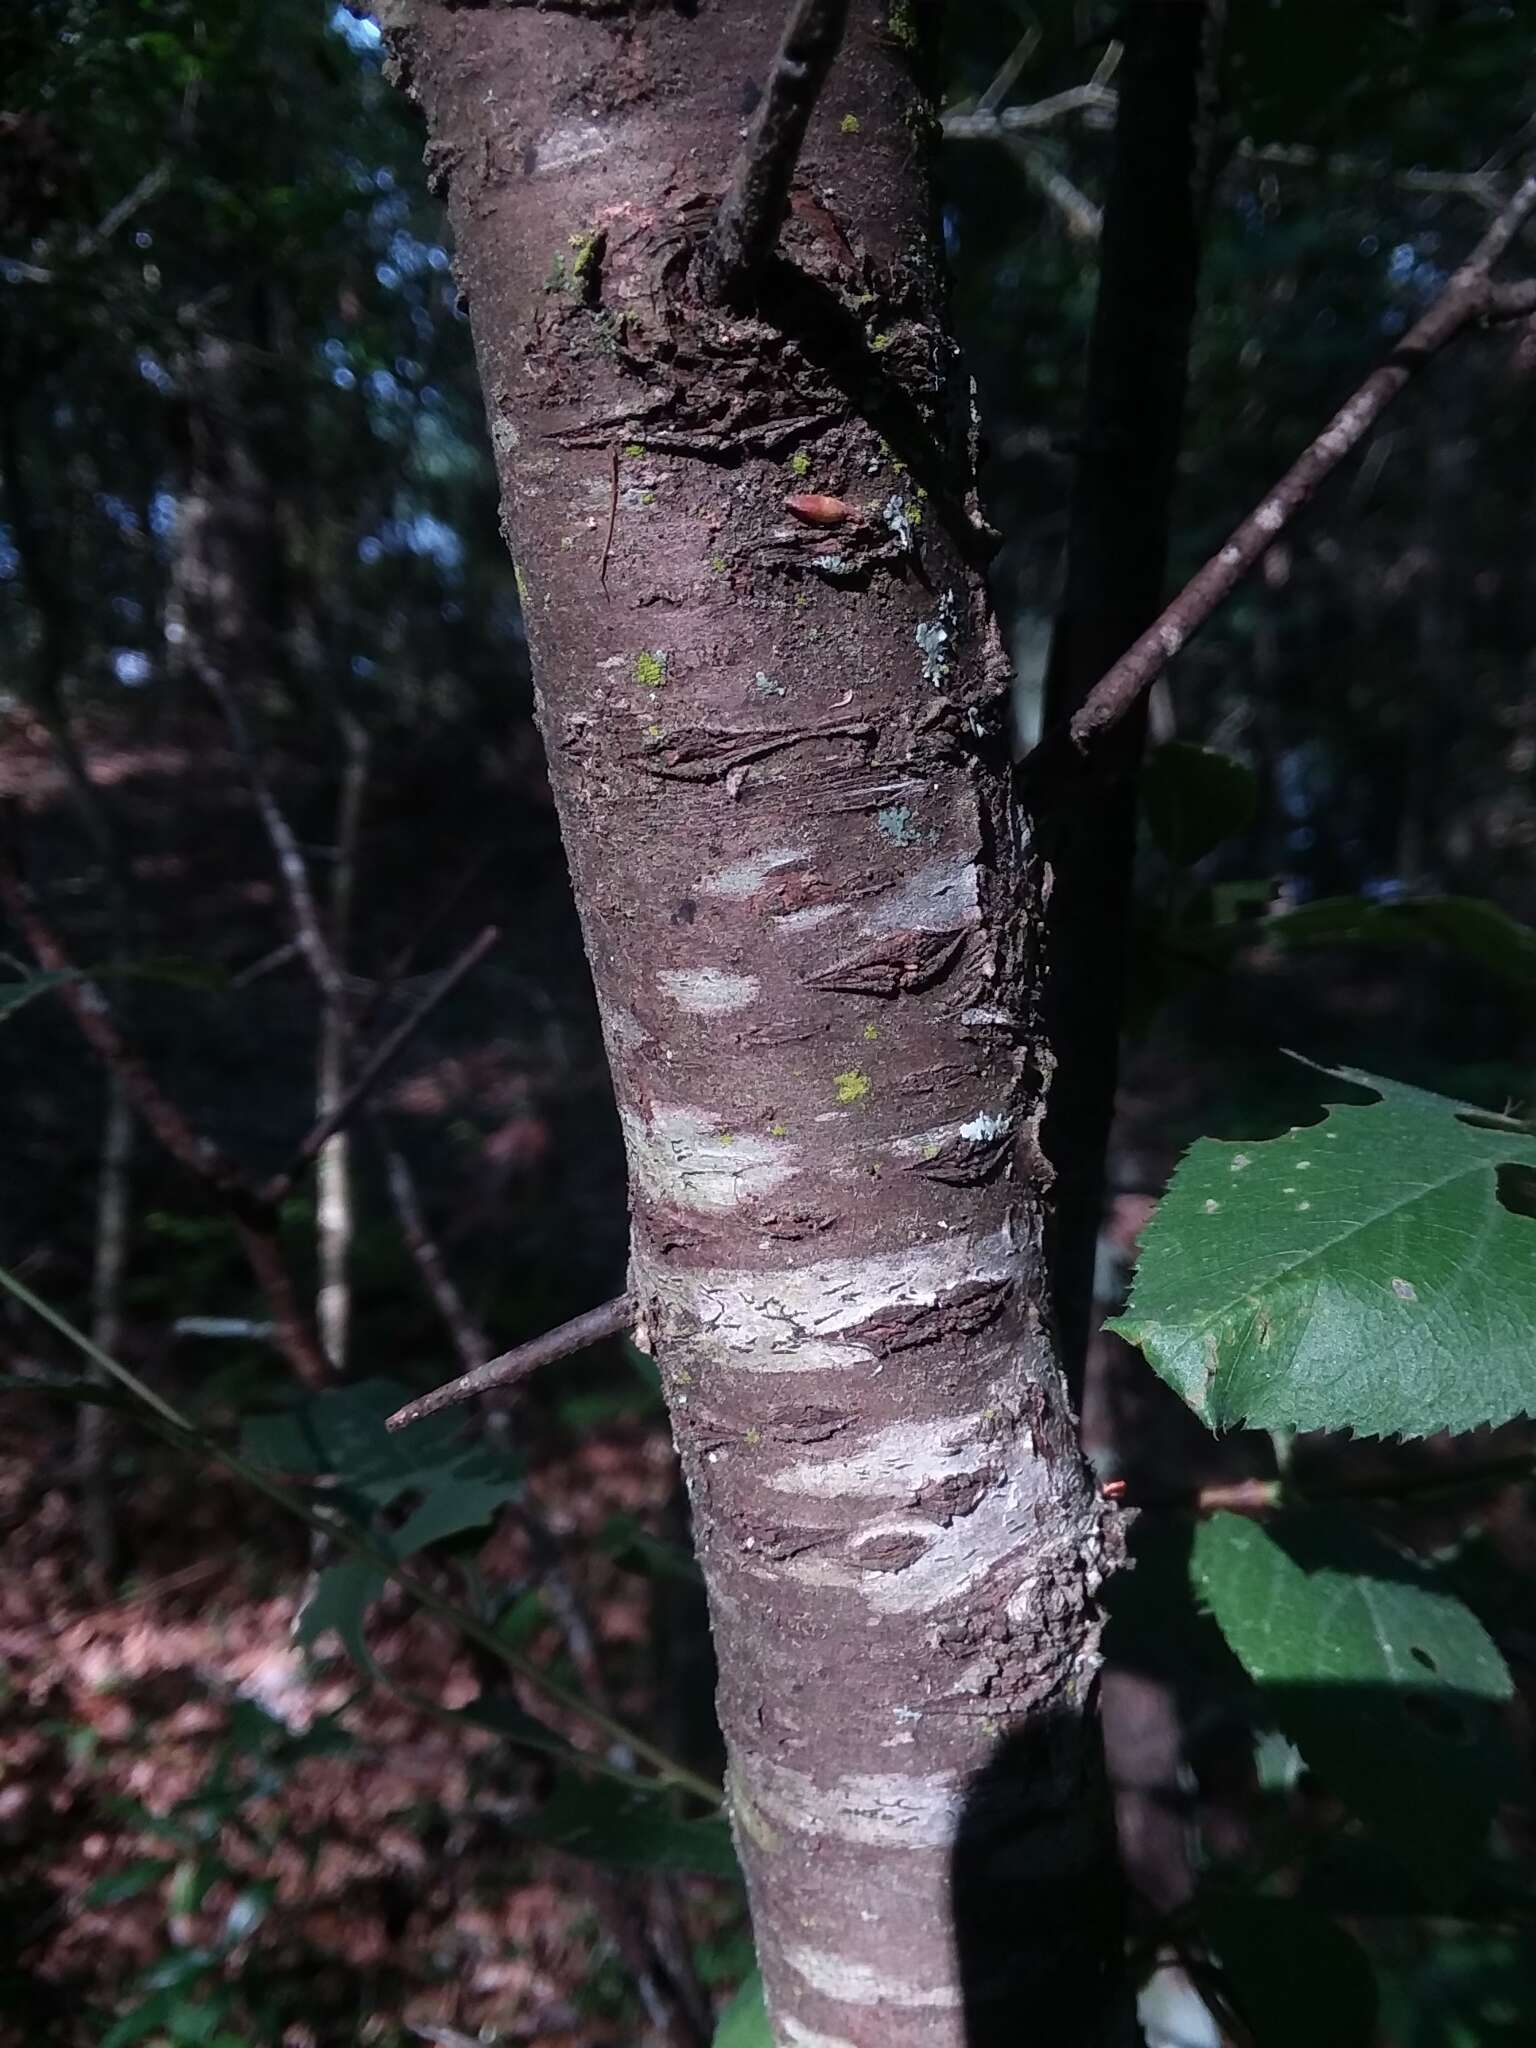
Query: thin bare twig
x=1470, y=297
x=1013, y=64
x=612, y=1319
x=333, y=1164
x=1084, y=219
x=746, y=227
x=1256, y=1496
x=384, y=1054
x=991, y=125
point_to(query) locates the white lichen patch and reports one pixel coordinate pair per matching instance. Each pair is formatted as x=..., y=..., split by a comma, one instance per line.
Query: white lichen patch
x=876, y=1809
x=983, y=1129
x=808, y=919
x=935, y=641
x=795, y=1319
x=690, y=1159
x=939, y=896
x=798, y=2036
x=1003, y=1524
x=744, y=878
x=622, y=1027
x=707, y=991
x=889, y=1464
x=575, y=142
x=851, y=1983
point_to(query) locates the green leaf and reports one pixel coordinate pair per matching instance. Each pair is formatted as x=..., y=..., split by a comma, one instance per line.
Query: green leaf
x=1192, y=798
x=465, y=1501
x=744, y=2023
x=138, y=1878
x=1464, y=925
x=634, y=1549
x=341, y=1599
x=1389, y=1686
x=1294, y=1975
x=506, y=1719
x=606, y=1823
x=1464, y=1990
x=1362, y=1274
x=341, y=1434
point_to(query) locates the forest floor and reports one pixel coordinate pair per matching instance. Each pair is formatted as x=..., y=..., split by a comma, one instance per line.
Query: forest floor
x=401, y=1898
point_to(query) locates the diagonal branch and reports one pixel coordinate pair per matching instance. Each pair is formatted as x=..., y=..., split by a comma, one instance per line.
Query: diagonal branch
x=612, y=1319
x=751, y=213
x=1470, y=298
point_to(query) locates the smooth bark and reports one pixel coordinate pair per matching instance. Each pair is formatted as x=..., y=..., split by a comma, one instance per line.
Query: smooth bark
x=1117, y=556
x=777, y=737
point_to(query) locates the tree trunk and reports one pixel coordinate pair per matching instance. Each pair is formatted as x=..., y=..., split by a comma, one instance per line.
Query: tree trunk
x=778, y=742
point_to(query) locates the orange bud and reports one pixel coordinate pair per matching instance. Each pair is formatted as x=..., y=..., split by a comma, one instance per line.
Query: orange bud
x=816, y=510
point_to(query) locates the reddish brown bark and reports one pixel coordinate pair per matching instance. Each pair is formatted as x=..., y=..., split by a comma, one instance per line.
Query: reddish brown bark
x=779, y=749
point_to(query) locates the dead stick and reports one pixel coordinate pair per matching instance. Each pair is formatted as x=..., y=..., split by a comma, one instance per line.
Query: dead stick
x=746, y=227
x=1469, y=296
x=612, y=1319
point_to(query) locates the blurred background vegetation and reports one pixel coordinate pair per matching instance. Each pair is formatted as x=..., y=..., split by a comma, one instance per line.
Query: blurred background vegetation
x=243, y=464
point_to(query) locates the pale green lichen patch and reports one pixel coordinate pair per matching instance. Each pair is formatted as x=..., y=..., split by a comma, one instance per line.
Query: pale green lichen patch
x=766, y=686
x=898, y=823
x=634, y=449
x=849, y=125
x=800, y=463
x=649, y=669
x=851, y=1086
x=901, y=25
x=935, y=641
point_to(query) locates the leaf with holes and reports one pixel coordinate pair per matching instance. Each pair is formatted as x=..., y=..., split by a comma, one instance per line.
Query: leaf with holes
x=1388, y=1685
x=1363, y=1274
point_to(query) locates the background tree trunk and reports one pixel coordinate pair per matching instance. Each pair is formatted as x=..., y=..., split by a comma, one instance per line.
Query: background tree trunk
x=1117, y=561
x=778, y=741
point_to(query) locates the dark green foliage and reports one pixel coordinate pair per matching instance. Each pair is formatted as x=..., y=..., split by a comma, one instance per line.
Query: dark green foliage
x=629, y=1830
x=1292, y=1974
x=1385, y=1682
x=1193, y=799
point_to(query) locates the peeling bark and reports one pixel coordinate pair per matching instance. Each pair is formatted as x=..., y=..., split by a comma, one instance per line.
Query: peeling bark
x=779, y=748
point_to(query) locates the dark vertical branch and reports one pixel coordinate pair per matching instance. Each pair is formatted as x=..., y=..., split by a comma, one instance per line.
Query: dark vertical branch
x=1117, y=554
